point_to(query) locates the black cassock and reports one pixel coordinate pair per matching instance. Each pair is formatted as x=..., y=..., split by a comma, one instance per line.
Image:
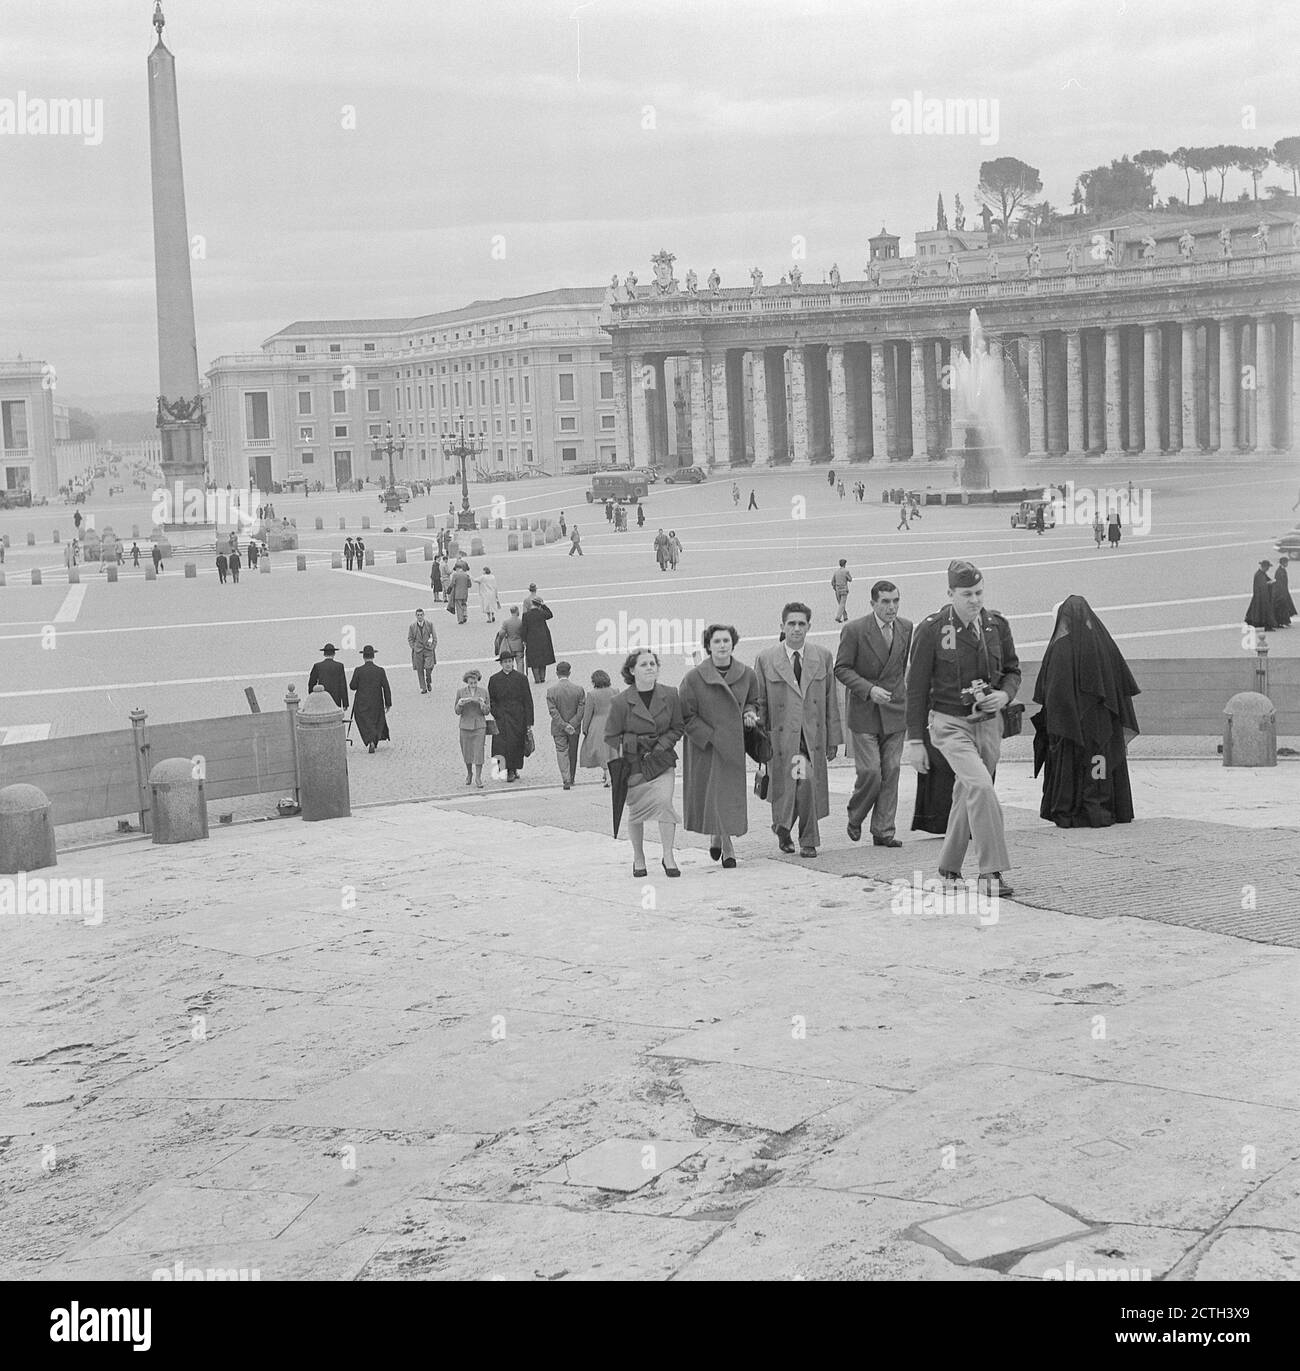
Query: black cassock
x=1283, y=605
x=371, y=699
x=1081, y=733
x=933, y=791
x=330, y=674
x=1261, y=613
x=511, y=702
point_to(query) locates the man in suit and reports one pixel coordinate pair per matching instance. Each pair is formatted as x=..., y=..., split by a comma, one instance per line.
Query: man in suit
x=798, y=706
x=564, y=701
x=422, y=639
x=330, y=674
x=959, y=644
x=871, y=664
x=222, y=566
x=458, y=591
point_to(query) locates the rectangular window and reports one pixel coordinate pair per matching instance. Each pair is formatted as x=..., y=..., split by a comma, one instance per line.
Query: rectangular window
x=340, y=401
x=372, y=376
x=501, y=457
x=372, y=399
x=336, y=347
x=568, y=454
x=566, y=385
x=607, y=421
x=527, y=401
x=528, y=454
x=300, y=347
x=340, y=430
x=304, y=402
x=307, y=433
x=257, y=415
x=496, y=390
x=528, y=425
x=564, y=357
x=606, y=356
x=510, y=388
x=455, y=390
x=304, y=380
x=376, y=430
x=514, y=426
x=606, y=385
x=482, y=392
x=306, y=458
x=15, y=423
x=498, y=425
x=419, y=397
x=444, y=394
x=408, y=397
x=367, y=347
x=568, y=424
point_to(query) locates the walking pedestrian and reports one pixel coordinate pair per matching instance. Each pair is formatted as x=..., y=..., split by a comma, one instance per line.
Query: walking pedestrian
x=458, y=591
x=222, y=567
x=963, y=671
x=530, y=599
x=157, y=558
x=473, y=712
x=674, y=549
x=1086, y=691
x=539, y=651
x=735, y=494
x=575, y=542
x=330, y=676
x=564, y=531
x=830, y=477
x=372, y=698
x=871, y=664
x=841, y=579
x=753, y=503
x=511, y=703
x=799, y=707
x=661, y=550
x=1260, y=613
x=644, y=728
x=422, y=639
x=76, y=520
x=902, y=519
x=609, y=511
x=510, y=636
x=349, y=552
x=564, y=702
x=253, y=551
x=235, y=564
x=435, y=579
x=489, y=600
x=841, y=489
x=135, y=554
x=1098, y=529
x=640, y=517
x=1284, y=609
x=1039, y=520
x=1113, y=530
x=719, y=702
x=595, y=714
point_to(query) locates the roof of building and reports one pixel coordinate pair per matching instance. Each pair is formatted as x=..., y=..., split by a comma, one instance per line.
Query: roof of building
x=479, y=309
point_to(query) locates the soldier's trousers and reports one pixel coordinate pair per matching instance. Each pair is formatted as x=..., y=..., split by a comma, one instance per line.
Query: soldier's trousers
x=972, y=750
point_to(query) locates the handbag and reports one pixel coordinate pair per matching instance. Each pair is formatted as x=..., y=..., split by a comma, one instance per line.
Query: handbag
x=493, y=727
x=758, y=745
x=530, y=746
x=761, y=782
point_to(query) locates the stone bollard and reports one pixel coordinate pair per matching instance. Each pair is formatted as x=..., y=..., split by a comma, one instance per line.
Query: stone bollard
x=322, y=759
x=149, y=573
x=336, y=561
x=552, y=534
x=401, y=555
x=512, y=542
x=343, y=523
x=476, y=547
x=527, y=539
x=370, y=556
x=453, y=548
x=36, y=576
x=74, y=575
x=302, y=562
x=191, y=571
x=26, y=830
x=320, y=523
x=56, y=535
x=365, y=521
x=31, y=540
x=263, y=566
x=111, y=572
x=428, y=552
x=1250, y=733
x=178, y=802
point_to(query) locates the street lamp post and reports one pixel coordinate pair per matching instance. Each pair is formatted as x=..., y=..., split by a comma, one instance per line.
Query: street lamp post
x=460, y=447
x=391, y=497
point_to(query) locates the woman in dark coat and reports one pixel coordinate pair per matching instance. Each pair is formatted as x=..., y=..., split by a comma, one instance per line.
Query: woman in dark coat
x=511, y=703
x=539, y=652
x=1113, y=530
x=1261, y=613
x=1283, y=605
x=371, y=700
x=1082, y=732
x=719, y=701
x=435, y=580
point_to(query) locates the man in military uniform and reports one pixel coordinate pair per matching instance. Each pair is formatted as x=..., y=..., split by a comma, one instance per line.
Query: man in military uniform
x=963, y=643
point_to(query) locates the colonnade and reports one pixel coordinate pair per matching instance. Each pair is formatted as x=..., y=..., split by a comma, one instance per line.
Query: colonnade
x=1220, y=384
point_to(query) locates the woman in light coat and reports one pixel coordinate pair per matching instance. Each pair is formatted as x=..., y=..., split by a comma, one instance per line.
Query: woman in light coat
x=719, y=702
x=471, y=706
x=595, y=712
x=487, y=594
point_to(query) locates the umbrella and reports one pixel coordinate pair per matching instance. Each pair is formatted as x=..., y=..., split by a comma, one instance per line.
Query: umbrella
x=618, y=774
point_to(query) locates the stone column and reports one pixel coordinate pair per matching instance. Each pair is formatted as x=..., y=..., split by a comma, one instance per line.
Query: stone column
x=624, y=449
x=1264, y=386
x=1094, y=377
x=1114, y=439
x=762, y=416
x=1190, y=445
x=1034, y=345
x=1134, y=348
x=1076, y=441
x=933, y=398
x=1213, y=342
x=660, y=429
x=721, y=435
x=892, y=445
x=1151, y=390
x=701, y=428
x=643, y=374
x=1173, y=340
x=842, y=444
x=798, y=405
x=919, y=445
x=1229, y=386
x=879, y=413
x=996, y=371
x=1294, y=407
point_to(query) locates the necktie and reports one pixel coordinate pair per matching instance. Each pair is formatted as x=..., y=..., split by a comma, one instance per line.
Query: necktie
x=889, y=636
x=798, y=670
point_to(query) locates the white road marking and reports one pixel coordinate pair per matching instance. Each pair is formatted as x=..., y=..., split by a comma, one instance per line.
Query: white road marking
x=71, y=606
x=24, y=733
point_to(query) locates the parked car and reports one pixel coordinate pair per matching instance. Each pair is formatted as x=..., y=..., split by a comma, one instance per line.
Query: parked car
x=1289, y=543
x=690, y=476
x=1027, y=515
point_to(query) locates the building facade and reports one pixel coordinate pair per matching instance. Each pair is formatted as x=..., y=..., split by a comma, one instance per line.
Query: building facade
x=1162, y=336
x=532, y=376
x=31, y=423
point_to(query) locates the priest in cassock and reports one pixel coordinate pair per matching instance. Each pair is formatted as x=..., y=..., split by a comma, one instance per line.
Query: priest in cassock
x=511, y=703
x=1082, y=731
x=1261, y=612
x=330, y=674
x=1284, y=609
x=371, y=700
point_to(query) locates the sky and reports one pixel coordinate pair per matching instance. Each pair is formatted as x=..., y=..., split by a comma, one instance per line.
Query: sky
x=575, y=139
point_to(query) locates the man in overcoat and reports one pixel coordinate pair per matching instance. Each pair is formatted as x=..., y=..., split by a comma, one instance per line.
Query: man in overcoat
x=331, y=675
x=539, y=651
x=372, y=699
x=564, y=702
x=422, y=639
x=458, y=592
x=799, y=707
x=871, y=664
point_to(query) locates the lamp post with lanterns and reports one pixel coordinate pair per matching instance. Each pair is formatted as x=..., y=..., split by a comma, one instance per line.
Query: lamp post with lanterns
x=460, y=447
x=388, y=444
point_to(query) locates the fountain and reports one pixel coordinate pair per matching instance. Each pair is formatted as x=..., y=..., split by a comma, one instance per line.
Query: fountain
x=981, y=415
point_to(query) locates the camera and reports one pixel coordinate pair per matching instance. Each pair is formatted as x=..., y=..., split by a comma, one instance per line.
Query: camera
x=974, y=695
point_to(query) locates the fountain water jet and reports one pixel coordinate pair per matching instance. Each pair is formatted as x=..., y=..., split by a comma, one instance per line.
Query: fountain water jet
x=982, y=416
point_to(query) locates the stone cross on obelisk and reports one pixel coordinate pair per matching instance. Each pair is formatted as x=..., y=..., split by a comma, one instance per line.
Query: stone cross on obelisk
x=180, y=404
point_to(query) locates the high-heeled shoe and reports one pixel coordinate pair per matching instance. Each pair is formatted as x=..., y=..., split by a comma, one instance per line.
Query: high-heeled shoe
x=639, y=871
x=728, y=863
x=715, y=853
x=669, y=870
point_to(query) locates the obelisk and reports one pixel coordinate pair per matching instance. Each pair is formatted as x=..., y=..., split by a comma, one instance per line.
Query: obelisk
x=180, y=404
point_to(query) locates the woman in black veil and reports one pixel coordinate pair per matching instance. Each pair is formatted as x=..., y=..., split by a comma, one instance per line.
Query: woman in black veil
x=1082, y=731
